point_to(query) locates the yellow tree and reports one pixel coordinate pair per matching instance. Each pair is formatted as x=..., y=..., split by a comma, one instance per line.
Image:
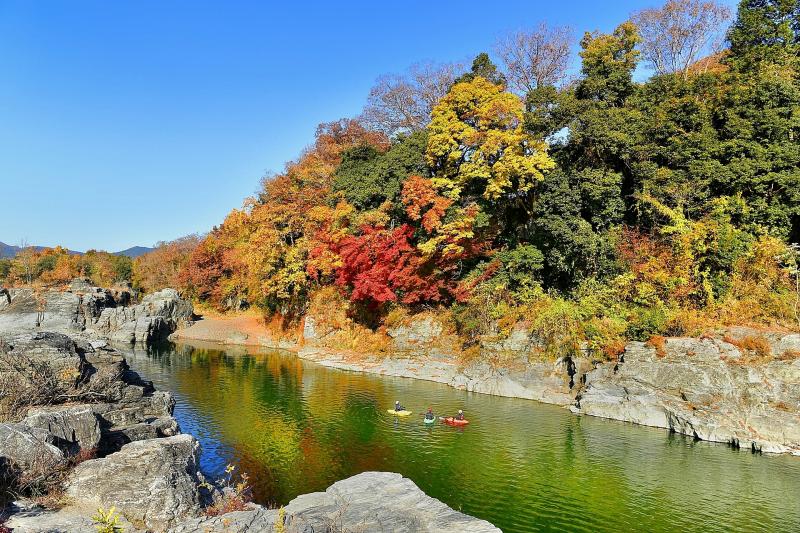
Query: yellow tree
x=476, y=142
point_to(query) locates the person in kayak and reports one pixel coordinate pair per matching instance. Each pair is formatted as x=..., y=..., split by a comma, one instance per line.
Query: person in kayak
x=459, y=416
x=429, y=414
x=398, y=407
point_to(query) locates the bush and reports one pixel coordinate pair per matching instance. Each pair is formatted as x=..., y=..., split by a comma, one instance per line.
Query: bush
x=236, y=493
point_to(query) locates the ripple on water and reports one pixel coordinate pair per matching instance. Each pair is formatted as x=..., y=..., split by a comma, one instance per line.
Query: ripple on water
x=297, y=427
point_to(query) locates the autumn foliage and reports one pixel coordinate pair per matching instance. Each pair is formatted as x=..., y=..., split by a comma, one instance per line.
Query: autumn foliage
x=380, y=266
x=596, y=211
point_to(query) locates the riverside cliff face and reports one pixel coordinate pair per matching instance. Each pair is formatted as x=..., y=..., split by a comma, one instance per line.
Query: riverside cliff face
x=78, y=419
x=709, y=389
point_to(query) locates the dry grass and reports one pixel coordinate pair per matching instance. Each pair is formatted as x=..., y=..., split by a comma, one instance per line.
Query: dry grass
x=755, y=350
x=236, y=493
x=659, y=343
x=753, y=345
x=789, y=355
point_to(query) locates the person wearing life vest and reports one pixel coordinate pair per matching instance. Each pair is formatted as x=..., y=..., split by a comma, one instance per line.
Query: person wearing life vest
x=429, y=414
x=459, y=416
x=398, y=407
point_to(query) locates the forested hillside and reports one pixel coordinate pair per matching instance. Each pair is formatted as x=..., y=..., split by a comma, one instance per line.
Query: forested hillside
x=594, y=207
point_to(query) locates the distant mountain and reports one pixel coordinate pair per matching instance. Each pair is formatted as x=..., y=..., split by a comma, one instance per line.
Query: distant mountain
x=135, y=251
x=8, y=251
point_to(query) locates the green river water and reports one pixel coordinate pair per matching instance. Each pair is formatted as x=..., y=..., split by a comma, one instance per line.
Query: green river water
x=296, y=427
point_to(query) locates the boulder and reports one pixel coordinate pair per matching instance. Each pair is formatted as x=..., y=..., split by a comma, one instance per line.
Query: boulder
x=40, y=367
x=158, y=315
x=75, y=428
x=371, y=501
x=154, y=482
x=28, y=448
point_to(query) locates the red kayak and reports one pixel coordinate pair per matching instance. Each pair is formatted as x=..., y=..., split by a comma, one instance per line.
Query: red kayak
x=452, y=421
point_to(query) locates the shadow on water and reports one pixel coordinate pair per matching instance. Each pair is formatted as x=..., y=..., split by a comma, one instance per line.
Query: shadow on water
x=297, y=427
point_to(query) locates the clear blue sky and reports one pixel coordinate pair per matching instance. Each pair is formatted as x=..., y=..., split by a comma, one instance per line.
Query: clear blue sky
x=126, y=123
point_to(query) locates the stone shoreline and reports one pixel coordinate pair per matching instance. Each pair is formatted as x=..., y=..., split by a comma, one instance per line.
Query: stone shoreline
x=708, y=388
x=85, y=423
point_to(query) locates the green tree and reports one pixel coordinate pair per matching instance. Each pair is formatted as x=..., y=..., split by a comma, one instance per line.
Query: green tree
x=608, y=64
x=5, y=269
x=765, y=31
x=483, y=67
x=368, y=178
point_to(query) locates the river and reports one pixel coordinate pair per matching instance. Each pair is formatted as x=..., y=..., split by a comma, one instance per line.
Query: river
x=297, y=427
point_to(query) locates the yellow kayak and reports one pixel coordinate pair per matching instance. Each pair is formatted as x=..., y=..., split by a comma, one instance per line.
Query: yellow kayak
x=398, y=413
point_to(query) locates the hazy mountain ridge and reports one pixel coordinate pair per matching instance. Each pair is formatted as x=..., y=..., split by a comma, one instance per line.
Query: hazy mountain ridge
x=8, y=251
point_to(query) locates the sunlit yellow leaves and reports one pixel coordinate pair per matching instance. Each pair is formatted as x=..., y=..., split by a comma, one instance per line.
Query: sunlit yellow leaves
x=453, y=238
x=476, y=135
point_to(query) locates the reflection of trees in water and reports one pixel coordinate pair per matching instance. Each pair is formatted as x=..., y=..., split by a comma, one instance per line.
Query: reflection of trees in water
x=296, y=427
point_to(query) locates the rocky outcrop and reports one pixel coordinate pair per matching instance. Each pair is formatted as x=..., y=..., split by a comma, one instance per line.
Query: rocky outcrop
x=372, y=501
x=26, y=448
x=159, y=314
x=705, y=388
x=93, y=312
x=155, y=481
x=75, y=428
x=553, y=382
x=44, y=375
x=76, y=398
x=421, y=333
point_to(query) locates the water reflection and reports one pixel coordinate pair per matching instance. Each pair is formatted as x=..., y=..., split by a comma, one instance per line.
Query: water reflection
x=297, y=427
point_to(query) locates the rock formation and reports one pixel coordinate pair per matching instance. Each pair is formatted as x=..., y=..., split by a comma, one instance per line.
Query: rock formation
x=93, y=312
x=75, y=413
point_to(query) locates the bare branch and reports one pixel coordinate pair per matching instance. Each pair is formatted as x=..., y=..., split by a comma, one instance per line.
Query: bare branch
x=403, y=103
x=537, y=58
x=680, y=33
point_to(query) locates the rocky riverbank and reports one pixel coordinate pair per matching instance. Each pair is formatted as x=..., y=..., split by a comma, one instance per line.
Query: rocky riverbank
x=740, y=387
x=81, y=430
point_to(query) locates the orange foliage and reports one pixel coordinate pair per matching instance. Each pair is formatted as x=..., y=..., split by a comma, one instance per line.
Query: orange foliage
x=420, y=194
x=268, y=252
x=659, y=343
x=161, y=268
x=752, y=344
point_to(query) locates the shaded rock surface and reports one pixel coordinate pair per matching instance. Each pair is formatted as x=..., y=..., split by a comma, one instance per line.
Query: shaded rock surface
x=75, y=428
x=24, y=447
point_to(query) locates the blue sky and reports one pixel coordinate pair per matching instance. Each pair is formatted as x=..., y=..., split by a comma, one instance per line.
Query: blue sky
x=126, y=123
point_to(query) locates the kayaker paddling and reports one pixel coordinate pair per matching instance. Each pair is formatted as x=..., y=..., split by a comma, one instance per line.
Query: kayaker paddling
x=457, y=420
x=398, y=410
x=429, y=416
